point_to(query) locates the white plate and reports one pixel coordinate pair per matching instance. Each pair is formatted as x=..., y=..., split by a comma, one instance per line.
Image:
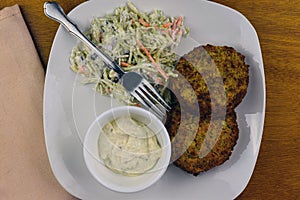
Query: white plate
x=67, y=117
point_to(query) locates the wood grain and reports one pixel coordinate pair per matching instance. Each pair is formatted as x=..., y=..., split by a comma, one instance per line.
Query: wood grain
x=277, y=173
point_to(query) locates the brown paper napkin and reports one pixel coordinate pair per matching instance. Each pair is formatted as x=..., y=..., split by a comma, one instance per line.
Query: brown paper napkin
x=24, y=167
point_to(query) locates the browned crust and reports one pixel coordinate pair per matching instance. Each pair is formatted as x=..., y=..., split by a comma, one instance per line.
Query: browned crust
x=210, y=146
x=218, y=76
x=195, y=147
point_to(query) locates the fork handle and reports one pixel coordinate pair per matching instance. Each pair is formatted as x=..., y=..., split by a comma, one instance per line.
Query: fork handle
x=54, y=11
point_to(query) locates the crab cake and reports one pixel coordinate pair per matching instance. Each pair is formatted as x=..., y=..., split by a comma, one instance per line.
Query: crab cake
x=190, y=91
x=199, y=145
x=218, y=75
x=224, y=62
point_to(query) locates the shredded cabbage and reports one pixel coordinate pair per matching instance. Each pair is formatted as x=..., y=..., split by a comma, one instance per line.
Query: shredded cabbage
x=140, y=41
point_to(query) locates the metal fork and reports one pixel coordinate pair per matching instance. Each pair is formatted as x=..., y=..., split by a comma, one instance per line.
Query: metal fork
x=133, y=82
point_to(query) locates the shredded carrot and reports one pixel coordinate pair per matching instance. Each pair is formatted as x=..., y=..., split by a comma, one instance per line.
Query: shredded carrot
x=179, y=21
x=164, y=26
x=125, y=64
x=174, y=31
x=142, y=21
x=152, y=59
x=167, y=25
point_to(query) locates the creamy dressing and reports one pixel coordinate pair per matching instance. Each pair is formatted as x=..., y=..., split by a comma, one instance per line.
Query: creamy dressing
x=128, y=147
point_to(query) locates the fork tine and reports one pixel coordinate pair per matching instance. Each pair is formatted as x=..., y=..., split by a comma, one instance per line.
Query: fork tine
x=145, y=90
x=137, y=96
x=148, y=85
x=141, y=91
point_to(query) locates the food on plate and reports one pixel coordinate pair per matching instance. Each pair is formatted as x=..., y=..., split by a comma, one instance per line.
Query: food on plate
x=211, y=145
x=128, y=146
x=218, y=75
x=231, y=66
x=139, y=41
x=208, y=82
x=190, y=89
x=219, y=78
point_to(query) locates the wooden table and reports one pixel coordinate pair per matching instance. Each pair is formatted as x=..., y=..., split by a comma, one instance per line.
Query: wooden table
x=277, y=173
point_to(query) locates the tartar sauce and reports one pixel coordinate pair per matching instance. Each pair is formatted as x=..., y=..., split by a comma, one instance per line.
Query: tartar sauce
x=128, y=147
